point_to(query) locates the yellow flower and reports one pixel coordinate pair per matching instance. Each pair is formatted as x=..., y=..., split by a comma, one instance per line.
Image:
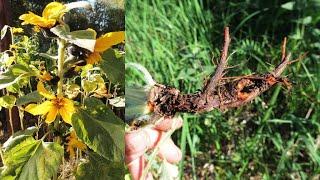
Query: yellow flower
x=45, y=76
x=16, y=30
x=108, y=40
x=74, y=143
x=54, y=106
x=103, y=43
x=51, y=13
x=93, y=58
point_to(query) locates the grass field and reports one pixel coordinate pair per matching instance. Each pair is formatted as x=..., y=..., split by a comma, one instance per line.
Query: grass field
x=277, y=135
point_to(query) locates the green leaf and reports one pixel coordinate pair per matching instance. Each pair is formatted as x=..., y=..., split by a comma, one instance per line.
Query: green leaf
x=306, y=20
x=28, y=98
x=82, y=38
x=89, y=86
x=84, y=34
x=99, y=80
x=100, y=129
x=44, y=163
x=93, y=83
x=288, y=5
x=7, y=79
x=29, y=159
x=14, y=74
x=7, y=101
x=14, y=88
x=113, y=66
x=29, y=132
x=99, y=168
x=19, y=69
x=61, y=31
x=4, y=31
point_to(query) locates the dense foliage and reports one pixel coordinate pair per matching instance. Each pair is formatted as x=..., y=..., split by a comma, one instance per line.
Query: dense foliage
x=63, y=90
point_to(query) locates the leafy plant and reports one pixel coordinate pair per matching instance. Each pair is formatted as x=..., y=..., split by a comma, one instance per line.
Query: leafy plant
x=68, y=104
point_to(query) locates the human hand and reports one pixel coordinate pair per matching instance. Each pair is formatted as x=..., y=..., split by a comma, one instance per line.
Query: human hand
x=140, y=141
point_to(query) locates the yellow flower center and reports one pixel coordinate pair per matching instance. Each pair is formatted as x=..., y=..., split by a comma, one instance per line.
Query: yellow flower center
x=59, y=102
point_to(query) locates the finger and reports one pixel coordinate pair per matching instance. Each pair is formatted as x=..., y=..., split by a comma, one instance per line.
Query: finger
x=169, y=123
x=170, y=152
x=138, y=142
x=136, y=168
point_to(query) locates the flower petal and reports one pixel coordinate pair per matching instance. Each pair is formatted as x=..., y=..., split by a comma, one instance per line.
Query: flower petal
x=44, y=92
x=66, y=115
x=93, y=58
x=45, y=76
x=71, y=151
x=40, y=109
x=54, y=10
x=69, y=105
x=67, y=110
x=74, y=143
x=34, y=19
x=106, y=41
x=51, y=116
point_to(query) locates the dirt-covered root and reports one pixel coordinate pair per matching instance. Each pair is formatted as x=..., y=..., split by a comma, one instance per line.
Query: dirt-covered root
x=220, y=93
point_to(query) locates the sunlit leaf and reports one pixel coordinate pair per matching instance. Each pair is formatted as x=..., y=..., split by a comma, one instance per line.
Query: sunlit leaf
x=27, y=132
x=100, y=129
x=113, y=66
x=14, y=74
x=72, y=91
x=305, y=20
x=4, y=31
x=288, y=5
x=89, y=86
x=82, y=38
x=28, y=98
x=29, y=159
x=7, y=101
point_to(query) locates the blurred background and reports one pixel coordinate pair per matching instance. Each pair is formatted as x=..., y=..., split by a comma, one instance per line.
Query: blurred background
x=277, y=135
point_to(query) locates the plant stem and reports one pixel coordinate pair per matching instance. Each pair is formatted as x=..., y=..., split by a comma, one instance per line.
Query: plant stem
x=61, y=52
x=21, y=115
x=1, y=153
x=11, y=121
x=11, y=33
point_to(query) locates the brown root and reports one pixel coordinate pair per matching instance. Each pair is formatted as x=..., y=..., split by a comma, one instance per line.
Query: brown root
x=219, y=92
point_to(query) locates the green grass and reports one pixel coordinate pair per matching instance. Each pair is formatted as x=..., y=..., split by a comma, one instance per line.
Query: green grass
x=274, y=136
